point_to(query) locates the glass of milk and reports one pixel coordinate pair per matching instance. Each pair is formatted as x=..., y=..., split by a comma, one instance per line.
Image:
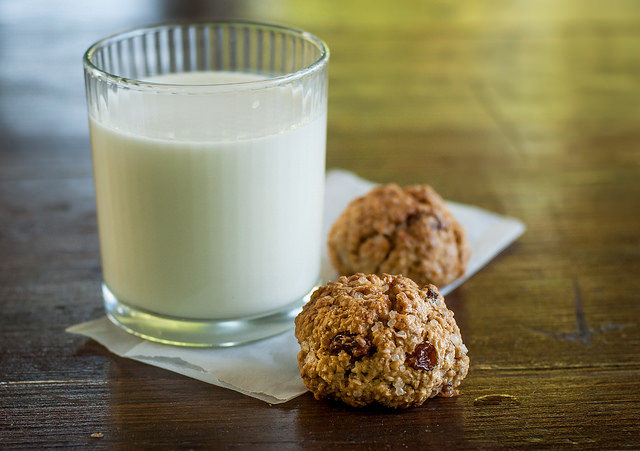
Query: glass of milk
x=208, y=144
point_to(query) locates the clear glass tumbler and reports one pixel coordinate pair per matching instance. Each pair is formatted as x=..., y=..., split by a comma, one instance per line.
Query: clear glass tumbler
x=208, y=145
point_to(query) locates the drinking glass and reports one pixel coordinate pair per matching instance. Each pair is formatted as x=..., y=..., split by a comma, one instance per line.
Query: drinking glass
x=208, y=145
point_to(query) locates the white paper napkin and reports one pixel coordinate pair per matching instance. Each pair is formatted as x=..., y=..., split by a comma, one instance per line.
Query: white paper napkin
x=268, y=369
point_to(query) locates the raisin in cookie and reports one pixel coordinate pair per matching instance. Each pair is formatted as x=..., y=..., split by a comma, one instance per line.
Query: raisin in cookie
x=406, y=231
x=371, y=340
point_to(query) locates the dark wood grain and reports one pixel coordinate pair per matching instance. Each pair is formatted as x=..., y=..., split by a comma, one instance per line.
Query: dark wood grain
x=530, y=109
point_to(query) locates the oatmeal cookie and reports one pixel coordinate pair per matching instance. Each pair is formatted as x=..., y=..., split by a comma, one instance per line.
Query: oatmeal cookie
x=406, y=231
x=379, y=340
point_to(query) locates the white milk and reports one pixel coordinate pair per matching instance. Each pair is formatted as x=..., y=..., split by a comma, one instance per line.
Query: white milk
x=208, y=230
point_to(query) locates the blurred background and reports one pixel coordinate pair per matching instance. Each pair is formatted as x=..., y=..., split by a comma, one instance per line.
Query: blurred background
x=441, y=81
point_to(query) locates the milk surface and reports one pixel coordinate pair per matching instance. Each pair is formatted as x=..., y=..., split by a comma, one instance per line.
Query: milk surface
x=202, y=228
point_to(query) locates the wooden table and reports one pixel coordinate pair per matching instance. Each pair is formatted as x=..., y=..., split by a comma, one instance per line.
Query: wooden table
x=530, y=109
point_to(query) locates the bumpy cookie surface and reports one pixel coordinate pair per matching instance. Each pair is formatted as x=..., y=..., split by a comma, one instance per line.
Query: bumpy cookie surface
x=406, y=231
x=379, y=340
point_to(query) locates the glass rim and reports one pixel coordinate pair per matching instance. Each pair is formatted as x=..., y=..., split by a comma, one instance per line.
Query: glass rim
x=144, y=85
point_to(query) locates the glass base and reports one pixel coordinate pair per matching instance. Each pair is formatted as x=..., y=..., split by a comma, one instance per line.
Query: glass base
x=199, y=333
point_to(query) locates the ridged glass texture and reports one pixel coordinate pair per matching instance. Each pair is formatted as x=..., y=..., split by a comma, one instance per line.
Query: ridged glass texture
x=118, y=69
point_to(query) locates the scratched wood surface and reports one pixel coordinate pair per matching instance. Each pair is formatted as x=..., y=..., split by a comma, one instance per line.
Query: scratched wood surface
x=530, y=109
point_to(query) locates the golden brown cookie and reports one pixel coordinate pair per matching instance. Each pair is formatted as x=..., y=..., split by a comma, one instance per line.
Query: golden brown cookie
x=406, y=231
x=370, y=340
